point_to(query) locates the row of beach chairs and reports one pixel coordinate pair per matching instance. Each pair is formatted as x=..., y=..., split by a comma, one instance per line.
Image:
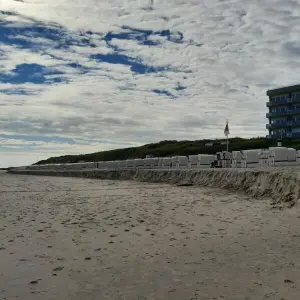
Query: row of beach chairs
x=272, y=157
x=192, y=161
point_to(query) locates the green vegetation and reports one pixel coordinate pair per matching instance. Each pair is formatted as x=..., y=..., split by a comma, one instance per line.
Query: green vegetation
x=172, y=148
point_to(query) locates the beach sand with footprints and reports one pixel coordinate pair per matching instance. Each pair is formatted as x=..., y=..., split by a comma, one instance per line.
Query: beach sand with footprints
x=73, y=238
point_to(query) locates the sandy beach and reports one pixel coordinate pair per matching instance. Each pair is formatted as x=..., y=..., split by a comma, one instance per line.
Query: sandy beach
x=73, y=238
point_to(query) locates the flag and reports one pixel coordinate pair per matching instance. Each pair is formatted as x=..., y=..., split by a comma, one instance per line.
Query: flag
x=226, y=130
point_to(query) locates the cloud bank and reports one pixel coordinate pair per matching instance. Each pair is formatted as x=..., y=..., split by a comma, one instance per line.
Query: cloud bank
x=97, y=75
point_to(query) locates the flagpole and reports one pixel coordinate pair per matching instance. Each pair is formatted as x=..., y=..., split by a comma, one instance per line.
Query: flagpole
x=226, y=132
x=227, y=143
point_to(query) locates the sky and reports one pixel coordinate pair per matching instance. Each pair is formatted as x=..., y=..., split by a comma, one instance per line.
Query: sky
x=93, y=75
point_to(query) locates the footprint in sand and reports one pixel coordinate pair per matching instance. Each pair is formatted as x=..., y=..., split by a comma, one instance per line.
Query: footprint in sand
x=60, y=268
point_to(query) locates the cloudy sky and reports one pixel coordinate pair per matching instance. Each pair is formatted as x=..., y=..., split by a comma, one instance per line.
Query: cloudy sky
x=85, y=76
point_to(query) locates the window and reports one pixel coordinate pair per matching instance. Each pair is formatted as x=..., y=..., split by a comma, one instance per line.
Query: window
x=295, y=129
x=278, y=121
x=296, y=96
x=282, y=109
x=296, y=118
x=278, y=132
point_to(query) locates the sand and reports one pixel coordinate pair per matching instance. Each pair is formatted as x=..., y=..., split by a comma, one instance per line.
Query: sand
x=280, y=184
x=73, y=238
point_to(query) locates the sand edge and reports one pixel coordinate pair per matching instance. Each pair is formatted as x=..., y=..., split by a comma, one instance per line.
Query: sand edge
x=282, y=185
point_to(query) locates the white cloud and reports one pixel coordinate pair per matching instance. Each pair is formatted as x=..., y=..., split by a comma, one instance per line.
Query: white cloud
x=231, y=53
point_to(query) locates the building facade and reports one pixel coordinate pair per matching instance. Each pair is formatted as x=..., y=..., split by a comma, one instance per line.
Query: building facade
x=284, y=112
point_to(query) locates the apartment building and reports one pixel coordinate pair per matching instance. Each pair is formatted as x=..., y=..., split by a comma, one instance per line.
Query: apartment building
x=284, y=112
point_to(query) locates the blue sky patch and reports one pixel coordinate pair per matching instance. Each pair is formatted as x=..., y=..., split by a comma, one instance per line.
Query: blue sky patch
x=55, y=36
x=163, y=92
x=16, y=92
x=135, y=66
x=180, y=87
x=32, y=73
x=24, y=36
x=143, y=35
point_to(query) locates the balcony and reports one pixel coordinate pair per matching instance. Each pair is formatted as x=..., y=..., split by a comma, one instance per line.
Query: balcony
x=288, y=135
x=287, y=100
x=291, y=112
x=275, y=136
x=276, y=125
x=294, y=123
x=277, y=102
x=296, y=135
x=287, y=112
x=295, y=99
x=276, y=114
x=278, y=136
